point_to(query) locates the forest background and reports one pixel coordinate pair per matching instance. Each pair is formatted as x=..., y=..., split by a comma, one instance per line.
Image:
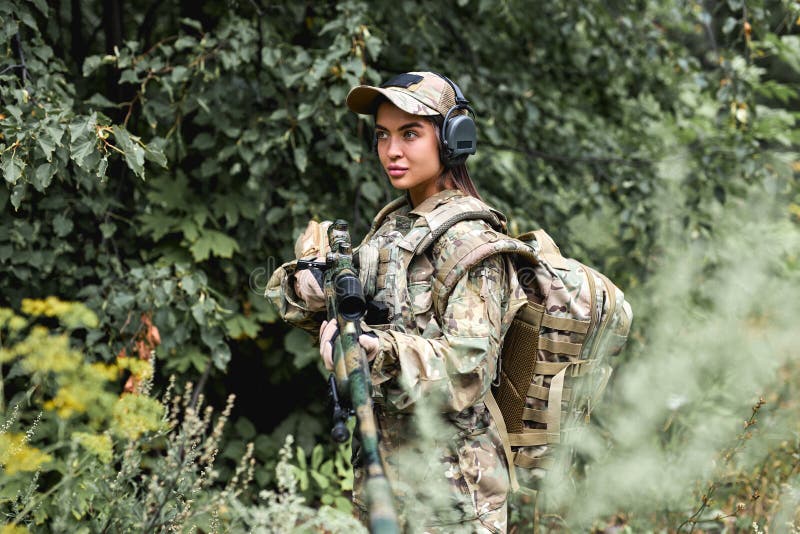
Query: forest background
x=160, y=158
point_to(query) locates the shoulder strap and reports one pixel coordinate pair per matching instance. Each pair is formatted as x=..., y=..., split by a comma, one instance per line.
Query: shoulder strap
x=472, y=251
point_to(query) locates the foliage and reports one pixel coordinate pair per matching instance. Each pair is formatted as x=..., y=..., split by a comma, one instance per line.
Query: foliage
x=103, y=461
x=159, y=161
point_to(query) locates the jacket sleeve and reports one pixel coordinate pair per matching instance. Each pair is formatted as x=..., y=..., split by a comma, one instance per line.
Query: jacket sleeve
x=457, y=365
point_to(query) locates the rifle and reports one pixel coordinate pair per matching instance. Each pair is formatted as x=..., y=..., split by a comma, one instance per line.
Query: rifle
x=350, y=381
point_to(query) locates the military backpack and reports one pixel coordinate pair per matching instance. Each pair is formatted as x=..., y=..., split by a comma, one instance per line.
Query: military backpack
x=554, y=362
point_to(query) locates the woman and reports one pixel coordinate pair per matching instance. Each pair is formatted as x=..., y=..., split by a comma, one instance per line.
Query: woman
x=432, y=366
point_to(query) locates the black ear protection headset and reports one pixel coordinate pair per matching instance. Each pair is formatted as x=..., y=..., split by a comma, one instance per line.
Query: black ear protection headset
x=458, y=135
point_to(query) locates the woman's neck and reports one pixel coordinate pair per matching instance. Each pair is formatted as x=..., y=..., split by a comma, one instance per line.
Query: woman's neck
x=419, y=195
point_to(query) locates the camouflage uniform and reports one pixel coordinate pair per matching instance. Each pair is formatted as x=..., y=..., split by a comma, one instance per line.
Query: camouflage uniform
x=442, y=366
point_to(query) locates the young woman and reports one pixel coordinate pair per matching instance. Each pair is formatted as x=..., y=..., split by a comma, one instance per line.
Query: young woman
x=432, y=363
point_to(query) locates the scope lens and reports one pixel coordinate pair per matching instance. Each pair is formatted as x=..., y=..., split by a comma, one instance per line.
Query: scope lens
x=350, y=297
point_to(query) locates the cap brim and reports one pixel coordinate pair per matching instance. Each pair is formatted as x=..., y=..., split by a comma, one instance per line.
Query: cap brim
x=361, y=100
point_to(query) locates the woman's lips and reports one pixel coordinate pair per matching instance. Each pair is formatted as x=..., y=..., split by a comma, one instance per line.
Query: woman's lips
x=396, y=172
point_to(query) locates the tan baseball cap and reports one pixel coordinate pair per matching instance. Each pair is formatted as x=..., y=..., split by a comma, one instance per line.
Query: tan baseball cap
x=418, y=93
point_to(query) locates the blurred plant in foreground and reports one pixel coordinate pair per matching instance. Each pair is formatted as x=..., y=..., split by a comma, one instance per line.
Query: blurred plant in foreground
x=85, y=447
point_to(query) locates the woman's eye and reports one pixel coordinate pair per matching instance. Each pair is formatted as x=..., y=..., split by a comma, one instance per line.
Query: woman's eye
x=380, y=135
x=410, y=134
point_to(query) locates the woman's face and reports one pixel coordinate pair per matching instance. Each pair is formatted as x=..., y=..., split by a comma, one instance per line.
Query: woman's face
x=409, y=151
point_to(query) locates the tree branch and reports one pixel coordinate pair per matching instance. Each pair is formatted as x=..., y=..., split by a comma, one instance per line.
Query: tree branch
x=22, y=65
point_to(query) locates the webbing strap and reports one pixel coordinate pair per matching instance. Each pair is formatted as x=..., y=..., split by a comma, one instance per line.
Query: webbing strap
x=560, y=347
x=550, y=368
x=494, y=411
x=552, y=415
x=537, y=416
x=543, y=393
x=529, y=462
x=554, y=403
x=565, y=323
x=533, y=438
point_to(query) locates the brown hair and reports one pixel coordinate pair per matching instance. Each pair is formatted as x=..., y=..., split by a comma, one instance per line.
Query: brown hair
x=458, y=171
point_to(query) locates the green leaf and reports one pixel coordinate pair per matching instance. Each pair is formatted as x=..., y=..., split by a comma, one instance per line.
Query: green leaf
x=41, y=5
x=134, y=153
x=371, y=191
x=28, y=20
x=129, y=76
x=239, y=327
x=12, y=167
x=101, y=167
x=43, y=176
x=189, y=285
x=17, y=195
x=321, y=481
x=199, y=312
x=62, y=225
x=14, y=111
x=155, y=154
x=316, y=457
x=213, y=242
x=299, y=343
x=83, y=149
x=108, y=229
x=99, y=100
x=245, y=428
x=157, y=224
x=221, y=355
x=81, y=126
x=90, y=64
x=47, y=146
x=300, y=158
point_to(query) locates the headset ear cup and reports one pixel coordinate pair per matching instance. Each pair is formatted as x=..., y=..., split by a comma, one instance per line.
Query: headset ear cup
x=459, y=137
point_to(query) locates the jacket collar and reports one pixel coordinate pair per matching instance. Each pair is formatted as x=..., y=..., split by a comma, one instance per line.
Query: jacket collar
x=434, y=201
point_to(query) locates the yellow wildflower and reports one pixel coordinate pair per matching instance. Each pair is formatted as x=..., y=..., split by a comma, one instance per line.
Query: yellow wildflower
x=69, y=400
x=134, y=415
x=71, y=314
x=103, y=372
x=13, y=529
x=45, y=353
x=16, y=455
x=141, y=369
x=98, y=444
x=12, y=320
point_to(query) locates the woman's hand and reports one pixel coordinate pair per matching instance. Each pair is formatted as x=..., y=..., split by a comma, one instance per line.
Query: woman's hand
x=307, y=288
x=327, y=337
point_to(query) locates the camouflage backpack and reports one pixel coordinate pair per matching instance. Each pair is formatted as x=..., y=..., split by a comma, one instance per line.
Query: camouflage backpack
x=554, y=361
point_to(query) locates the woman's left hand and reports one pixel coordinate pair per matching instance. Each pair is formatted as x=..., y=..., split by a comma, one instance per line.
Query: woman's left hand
x=327, y=336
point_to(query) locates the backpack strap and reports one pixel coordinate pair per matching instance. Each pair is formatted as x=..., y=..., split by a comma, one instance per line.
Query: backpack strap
x=471, y=251
x=497, y=417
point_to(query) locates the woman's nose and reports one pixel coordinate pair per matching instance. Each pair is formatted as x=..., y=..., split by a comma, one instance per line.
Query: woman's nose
x=393, y=150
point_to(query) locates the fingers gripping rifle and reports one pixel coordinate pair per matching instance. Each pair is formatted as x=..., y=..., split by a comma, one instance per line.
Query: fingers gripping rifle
x=344, y=299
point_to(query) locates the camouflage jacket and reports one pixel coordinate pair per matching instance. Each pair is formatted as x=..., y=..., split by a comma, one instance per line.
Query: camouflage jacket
x=433, y=371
